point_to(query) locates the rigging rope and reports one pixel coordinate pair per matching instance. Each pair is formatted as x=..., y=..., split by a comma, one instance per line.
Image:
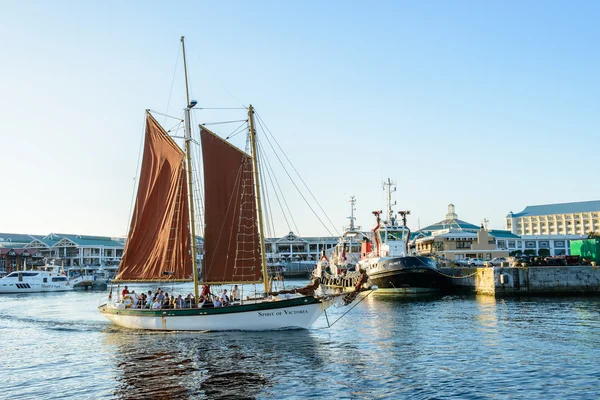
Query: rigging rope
x=223, y=122
x=296, y=186
x=261, y=123
x=164, y=115
x=137, y=173
x=269, y=170
x=215, y=78
x=242, y=128
x=269, y=214
x=351, y=308
x=172, y=81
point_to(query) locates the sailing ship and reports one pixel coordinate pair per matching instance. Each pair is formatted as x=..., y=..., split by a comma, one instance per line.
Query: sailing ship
x=387, y=260
x=161, y=245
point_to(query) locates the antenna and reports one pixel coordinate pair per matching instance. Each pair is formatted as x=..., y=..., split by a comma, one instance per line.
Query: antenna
x=352, y=209
x=389, y=185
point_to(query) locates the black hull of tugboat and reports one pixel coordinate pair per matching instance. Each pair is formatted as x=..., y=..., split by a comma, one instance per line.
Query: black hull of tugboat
x=407, y=275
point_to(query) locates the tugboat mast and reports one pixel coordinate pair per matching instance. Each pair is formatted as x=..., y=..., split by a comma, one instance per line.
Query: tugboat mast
x=352, y=209
x=388, y=185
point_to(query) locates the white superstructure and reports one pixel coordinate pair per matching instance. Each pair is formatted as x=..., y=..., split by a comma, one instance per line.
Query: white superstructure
x=35, y=282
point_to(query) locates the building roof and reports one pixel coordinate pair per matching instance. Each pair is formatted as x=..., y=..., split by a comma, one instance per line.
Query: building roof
x=49, y=240
x=14, y=239
x=502, y=234
x=450, y=223
x=560, y=208
x=83, y=240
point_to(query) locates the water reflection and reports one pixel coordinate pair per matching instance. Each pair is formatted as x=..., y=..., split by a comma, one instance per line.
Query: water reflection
x=213, y=364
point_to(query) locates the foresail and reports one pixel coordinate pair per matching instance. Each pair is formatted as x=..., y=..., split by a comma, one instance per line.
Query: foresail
x=158, y=244
x=231, y=242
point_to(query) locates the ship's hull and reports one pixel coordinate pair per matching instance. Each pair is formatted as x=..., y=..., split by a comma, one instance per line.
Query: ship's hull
x=405, y=275
x=30, y=287
x=295, y=313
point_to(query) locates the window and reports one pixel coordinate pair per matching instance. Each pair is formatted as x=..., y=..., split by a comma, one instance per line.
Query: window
x=511, y=244
x=59, y=279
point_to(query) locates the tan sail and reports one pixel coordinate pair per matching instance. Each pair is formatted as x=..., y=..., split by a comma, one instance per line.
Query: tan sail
x=158, y=244
x=231, y=243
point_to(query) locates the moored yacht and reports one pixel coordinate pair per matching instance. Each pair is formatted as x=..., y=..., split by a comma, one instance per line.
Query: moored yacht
x=387, y=261
x=35, y=282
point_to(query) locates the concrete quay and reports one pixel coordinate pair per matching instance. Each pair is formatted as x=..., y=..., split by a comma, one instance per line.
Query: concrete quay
x=516, y=281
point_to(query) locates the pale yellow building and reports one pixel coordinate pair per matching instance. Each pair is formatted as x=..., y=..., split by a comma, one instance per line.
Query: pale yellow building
x=552, y=226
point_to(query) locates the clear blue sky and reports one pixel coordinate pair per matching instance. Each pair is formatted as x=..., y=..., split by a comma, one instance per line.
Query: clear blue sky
x=491, y=106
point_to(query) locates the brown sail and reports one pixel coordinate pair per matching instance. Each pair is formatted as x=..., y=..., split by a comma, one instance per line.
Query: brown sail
x=158, y=244
x=231, y=242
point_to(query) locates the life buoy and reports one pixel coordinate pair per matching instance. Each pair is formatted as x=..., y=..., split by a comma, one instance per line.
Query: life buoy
x=128, y=301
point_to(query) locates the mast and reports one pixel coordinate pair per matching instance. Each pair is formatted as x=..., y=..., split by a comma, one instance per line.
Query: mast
x=389, y=185
x=188, y=152
x=352, y=209
x=261, y=236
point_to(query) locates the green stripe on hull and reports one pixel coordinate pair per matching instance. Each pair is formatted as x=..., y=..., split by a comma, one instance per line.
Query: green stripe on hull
x=270, y=305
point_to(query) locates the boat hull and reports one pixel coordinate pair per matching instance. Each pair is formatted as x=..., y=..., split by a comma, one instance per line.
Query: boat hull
x=30, y=287
x=297, y=313
x=405, y=275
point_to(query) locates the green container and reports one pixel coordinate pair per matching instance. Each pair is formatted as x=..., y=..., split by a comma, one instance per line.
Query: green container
x=586, y=248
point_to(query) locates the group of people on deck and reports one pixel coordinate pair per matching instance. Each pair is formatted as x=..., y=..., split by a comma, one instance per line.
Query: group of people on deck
x=161, y=300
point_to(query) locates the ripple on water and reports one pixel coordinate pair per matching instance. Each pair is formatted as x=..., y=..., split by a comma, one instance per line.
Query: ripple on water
x=59, y=346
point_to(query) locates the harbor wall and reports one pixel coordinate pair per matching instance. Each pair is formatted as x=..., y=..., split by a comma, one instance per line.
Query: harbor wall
x=501, y=281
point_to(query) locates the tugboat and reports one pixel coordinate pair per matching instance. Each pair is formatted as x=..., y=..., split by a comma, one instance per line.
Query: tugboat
x=388, y=262
x=340, y=270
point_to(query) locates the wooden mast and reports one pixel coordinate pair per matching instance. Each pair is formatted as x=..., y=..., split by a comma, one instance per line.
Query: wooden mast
x=188, y=139
x=261, y=232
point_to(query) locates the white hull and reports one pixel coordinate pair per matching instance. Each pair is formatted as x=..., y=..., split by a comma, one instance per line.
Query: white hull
x=34, y=288
x=34, y=282
x=293, y=317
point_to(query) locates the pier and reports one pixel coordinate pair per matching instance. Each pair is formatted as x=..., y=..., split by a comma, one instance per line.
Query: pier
x=515, y=281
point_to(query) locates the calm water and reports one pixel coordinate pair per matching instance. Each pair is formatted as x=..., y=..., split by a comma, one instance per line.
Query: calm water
x=59, y=346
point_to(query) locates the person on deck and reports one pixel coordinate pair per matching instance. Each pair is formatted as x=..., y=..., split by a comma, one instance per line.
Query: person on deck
x=179, y=303
x=125, y=292
x=235, y=293
x=205, y=291
x=217, y=302
x=224, y=298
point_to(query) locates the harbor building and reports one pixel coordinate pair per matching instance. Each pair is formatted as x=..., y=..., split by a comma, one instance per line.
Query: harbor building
x=79, y=250
x=293, y=248
x=13, y=253
x=24, y=251
x=455, y=239
x=552, y=226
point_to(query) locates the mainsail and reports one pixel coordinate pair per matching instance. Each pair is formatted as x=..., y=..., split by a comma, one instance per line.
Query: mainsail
x=158, y=244
x=231, y=242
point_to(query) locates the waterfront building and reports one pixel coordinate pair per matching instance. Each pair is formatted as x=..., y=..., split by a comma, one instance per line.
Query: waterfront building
x=80, y=250
x=293, y=248
x=13, y=253
x=552, y=226
x=455, y=239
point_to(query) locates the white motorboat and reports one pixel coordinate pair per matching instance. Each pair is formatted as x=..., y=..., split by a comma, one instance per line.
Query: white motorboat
x=35, y=282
